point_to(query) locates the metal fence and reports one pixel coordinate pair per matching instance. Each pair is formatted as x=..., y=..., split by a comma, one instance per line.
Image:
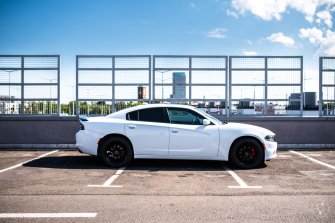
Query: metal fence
x=240, y=86
x=197, y=80
x=327, y=86
x=265, y=86
x=109, y=83
x=29, y=85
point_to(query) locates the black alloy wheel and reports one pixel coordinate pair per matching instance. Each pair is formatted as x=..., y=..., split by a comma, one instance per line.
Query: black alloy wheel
x=116, y=152
x=246, y=153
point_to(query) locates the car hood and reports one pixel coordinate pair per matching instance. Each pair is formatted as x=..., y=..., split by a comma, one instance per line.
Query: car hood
x=246, y=128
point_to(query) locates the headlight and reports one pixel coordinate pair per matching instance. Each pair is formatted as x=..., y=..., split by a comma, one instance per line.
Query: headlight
x=270, y=138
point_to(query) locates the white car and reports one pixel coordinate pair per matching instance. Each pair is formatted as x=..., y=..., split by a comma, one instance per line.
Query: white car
x=168, y=131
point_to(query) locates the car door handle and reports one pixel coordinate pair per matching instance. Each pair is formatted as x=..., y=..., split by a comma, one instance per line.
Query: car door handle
x=132, y=126
x=174, y=131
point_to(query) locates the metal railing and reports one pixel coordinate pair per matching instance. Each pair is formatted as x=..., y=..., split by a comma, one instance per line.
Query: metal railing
x=266, y=85
x=327, y=86
x=220, y=85
x=109, y=83
x=29, y=85
x=197, y=80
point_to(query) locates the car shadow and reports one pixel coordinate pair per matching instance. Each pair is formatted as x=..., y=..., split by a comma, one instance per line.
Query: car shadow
x=68, y=162
x=149, y=165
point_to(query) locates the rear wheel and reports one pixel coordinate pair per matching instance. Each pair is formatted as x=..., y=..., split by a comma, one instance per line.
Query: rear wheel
x=116, y=152
x=246, y=153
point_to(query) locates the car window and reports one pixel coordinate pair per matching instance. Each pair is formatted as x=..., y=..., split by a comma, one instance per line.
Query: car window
x=132, y=116
x=148, y=115
x=184, y=116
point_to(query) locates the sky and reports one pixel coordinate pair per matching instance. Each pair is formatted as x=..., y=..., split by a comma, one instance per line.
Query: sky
x=168, y=27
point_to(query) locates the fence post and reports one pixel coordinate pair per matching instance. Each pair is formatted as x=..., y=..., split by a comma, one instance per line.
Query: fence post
x=113, y=85
x=77, y=103
x=22, y=86
x=228, y=85
x=190, y=80
x=58, y=86
x=302, y=97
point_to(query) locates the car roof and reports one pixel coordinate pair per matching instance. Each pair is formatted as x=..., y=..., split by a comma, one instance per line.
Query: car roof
x=123, y=112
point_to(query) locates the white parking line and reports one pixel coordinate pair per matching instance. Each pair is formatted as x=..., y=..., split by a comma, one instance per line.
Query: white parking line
x=242, y=184
x=109, y=182
x=313, y=160
x=20, y=164
x=48, y=215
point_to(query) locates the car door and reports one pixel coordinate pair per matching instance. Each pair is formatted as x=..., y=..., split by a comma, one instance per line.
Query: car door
x=189, y=137
x=148, y=131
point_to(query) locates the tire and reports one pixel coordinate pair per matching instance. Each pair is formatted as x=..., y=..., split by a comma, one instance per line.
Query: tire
x=246, y=153
x=116, y=152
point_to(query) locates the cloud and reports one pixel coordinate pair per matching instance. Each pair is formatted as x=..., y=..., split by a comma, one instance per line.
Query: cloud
x=325, y=41
x=217, y=33
x=193, y=6
x=232, y=14
x=325, y=17
x=328, y=44
x=319, y=13
x=274, y=9
x=281, y=38
x=265, y=9
x=249, y=42
x=249, y=53
x=313, y=35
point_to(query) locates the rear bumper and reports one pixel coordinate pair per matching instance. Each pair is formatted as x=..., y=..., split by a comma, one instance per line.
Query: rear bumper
x=87, y=142
x=270, y=150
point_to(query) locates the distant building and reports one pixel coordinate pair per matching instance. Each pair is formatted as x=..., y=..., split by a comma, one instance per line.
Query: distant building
x=309, y=99
x=141, y=92
x=179, y=85
x=221, y=104
x=244, y=104
x=294, y=100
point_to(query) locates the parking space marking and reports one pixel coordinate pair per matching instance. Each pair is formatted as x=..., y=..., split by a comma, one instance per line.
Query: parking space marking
x=313, y=160
x=20, y=164
x=48, y=215
x=109, y=182
x=242, y=184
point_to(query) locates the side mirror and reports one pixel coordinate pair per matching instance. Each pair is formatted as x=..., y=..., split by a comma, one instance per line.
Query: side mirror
x=206, y=122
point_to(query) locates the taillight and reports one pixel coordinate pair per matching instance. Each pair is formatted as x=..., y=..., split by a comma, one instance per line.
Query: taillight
x=82, y=127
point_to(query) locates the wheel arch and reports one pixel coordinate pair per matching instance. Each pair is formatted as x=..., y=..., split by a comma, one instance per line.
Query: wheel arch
x=112, y=135
x=245, y=137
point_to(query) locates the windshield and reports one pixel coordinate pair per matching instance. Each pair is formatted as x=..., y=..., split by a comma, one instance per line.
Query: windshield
x=217, y=121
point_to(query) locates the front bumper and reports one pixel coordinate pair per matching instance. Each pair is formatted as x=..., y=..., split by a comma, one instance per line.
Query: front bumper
x=270, y=150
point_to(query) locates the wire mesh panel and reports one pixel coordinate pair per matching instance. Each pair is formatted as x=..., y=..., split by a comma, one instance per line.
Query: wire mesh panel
x=109, y=83
x=29, y=85
x=327, y=86
x=265, y=86
x=197, y=80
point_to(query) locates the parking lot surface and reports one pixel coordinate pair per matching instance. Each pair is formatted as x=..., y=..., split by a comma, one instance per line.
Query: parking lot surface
x=66, y=186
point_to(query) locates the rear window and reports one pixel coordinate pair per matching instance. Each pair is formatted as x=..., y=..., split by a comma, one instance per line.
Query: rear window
x=148, y=115
x=132, y=116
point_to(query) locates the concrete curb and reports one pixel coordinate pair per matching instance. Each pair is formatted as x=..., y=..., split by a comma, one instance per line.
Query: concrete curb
x=73, y=146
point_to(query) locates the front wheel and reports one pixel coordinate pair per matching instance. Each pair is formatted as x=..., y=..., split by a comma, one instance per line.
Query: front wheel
x=246, y=153
x=116, y=152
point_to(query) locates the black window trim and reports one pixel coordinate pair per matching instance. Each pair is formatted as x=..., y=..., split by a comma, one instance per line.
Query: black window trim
x=165, y=115
x=186, y=109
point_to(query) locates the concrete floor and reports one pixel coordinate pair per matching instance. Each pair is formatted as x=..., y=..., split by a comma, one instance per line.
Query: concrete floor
x=291, y=188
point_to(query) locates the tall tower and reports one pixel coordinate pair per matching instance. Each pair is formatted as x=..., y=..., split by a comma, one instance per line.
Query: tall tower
x=179, y=85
